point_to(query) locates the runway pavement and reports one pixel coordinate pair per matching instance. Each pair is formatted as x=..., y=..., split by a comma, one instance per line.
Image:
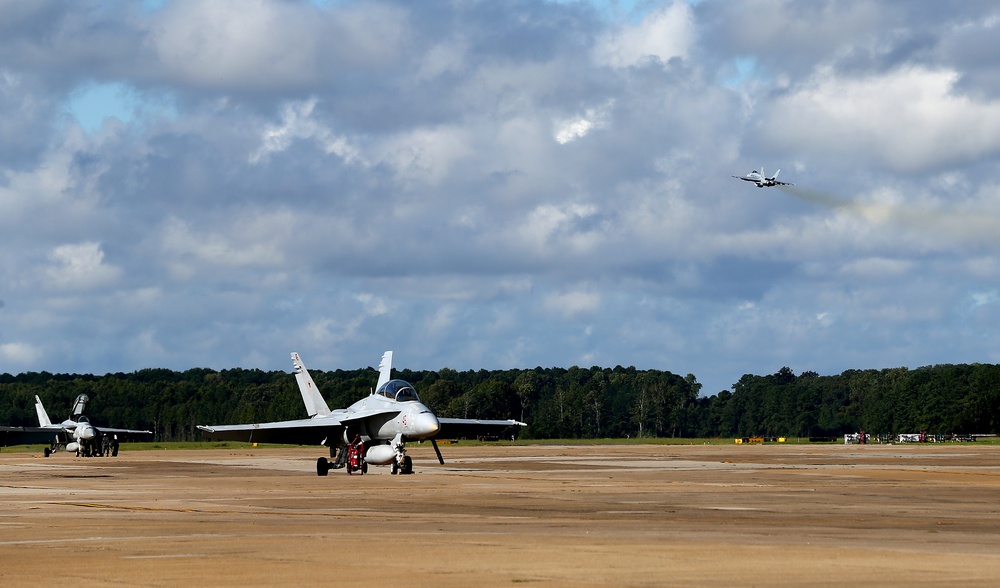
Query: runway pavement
x=622, y=515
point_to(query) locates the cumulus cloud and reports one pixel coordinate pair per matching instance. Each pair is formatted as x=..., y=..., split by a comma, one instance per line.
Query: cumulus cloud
x=572, y=227
x=480, y=187
x=568, y=130
x=297, y=122
x=269, y=45
x=249, y=242
x=80, y=267
x=904, y=118
x=20, y=354
x=663, y=34
x=573, y=303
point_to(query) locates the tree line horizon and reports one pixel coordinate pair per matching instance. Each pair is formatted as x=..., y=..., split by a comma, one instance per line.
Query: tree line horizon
x=557, y=403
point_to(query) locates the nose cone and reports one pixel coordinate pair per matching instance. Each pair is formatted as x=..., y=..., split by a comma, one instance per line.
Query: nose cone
x=86, y=432
x=425, y=424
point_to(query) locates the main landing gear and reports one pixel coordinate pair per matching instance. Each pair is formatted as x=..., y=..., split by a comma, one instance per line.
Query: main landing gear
x=352, y=457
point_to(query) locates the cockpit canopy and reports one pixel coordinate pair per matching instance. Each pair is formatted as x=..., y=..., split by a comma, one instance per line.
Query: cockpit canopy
x=398, y=390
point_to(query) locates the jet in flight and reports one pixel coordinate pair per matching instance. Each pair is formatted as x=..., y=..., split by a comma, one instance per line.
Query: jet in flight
x=762, y=181
x=75, y=434
x=373, y=430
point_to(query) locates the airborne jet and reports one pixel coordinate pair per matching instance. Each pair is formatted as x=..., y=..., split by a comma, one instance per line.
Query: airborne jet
x=762, y=180
x=373, y=430
x=73, y=434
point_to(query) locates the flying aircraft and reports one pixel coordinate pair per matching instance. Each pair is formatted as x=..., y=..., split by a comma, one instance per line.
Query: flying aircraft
x=762, y=180
x=76, y=433
x=373, y=430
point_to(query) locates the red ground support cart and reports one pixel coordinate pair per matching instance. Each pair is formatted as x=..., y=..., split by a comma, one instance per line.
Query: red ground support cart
x=356, y=457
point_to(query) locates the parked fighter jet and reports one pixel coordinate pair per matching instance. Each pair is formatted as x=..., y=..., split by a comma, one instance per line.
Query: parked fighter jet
x=762, y=180
x=373, y=430
x=73, y=434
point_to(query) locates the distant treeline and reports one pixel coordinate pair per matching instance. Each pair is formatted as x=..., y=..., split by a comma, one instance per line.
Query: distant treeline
x=555, y=402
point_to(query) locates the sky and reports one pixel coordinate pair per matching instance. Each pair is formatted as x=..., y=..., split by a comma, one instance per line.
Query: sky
x=496, y=185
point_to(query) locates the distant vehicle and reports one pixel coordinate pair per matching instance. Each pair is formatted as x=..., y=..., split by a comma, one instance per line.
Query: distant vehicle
x=76, y=433
x=762, y=181
x=374, y=429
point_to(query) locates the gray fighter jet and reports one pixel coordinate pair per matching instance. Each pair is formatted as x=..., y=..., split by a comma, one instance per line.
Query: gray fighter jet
x=762, y=181
x=373, y=430
x=75, y=434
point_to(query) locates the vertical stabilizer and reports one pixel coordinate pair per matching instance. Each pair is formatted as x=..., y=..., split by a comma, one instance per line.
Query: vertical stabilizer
x=384, y=368
x=43, y=417
x=315, y=405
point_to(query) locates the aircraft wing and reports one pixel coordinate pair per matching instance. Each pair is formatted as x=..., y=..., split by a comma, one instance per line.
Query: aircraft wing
x=475, y=428
x=28, y=435
x=298, y=432
x=127, y=434
x=313, y=431
x=777, y=183
x=745, y=179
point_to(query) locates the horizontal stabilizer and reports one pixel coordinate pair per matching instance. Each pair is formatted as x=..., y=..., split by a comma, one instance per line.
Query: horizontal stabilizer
x=28, y=435
x=475, y=428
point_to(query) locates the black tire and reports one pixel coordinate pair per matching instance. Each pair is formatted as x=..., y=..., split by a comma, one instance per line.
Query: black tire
x=394, y=468
x=322, y=466
x=47, y=452
x=407, y=465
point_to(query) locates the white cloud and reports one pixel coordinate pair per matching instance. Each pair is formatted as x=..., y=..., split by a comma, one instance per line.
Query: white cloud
x=252, y=240
x=20, y=354
x=574, y=303
x=662, y=35
x=80, y=266
x=877, y=268
x=984, y=298
x=426, y=155
x=266, y=44
x=448, y=57
x=347, y=320
x=568, y=228
x=908, y=119
x=297, y=123
x=569, y=130
x=525, y=186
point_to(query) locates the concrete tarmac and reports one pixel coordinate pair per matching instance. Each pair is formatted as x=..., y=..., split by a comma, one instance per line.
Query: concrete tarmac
x=619, y=515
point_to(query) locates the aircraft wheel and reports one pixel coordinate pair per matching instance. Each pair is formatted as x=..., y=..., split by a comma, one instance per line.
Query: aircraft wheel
x=322, y=467
x=47, y=452
x=407, y=465
x=364, y=467
x=394, y=468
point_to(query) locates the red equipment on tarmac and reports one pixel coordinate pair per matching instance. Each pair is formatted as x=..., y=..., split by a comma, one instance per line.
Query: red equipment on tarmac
x=356, y=457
